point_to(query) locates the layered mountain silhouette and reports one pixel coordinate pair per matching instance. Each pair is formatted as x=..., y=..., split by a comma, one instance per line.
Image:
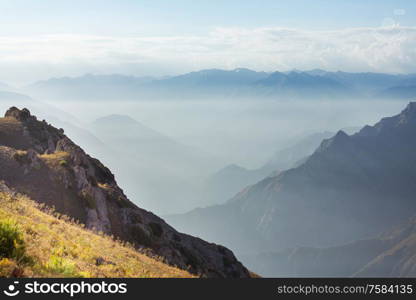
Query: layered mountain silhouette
x=229, y=84
x=352, y=187
x=391, y=254
x=152, y=160
x=40, y=161
x=228, y=181
x=11, y=96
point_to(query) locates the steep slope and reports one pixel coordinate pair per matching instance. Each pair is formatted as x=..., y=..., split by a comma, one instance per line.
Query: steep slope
x=288, y=157
x=399, y=260
x=228, y=181
x=156, y=161
x=391, y=254
x=352, y=187
x=40, y=161
x=225, y=183
x=47, y=244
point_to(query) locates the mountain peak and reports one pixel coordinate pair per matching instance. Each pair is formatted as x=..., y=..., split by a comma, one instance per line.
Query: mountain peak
x=406, y=118
x=19, y=114
x=41, y=162
x=339, y=140
x=410, y=111
x=117, y=118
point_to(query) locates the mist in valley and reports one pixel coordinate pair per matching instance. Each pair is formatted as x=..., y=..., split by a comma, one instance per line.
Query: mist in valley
x=212, y=167
x=284, y=132
x=164, y=153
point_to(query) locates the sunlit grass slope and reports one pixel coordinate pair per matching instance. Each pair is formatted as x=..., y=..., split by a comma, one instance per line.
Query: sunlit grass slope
x=35, y=242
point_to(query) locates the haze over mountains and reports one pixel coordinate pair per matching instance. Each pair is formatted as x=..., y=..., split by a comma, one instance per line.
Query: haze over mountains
x=351, y=187
x=41, y=162
x=151, y=164
x=272, y=175
x=390, y=254
x=231, y=179
x=224, y=84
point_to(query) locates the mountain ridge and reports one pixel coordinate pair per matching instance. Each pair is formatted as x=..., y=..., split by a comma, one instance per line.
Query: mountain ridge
x=46, y=165
x=390, y=254
x=338, y=187
x=238, y=83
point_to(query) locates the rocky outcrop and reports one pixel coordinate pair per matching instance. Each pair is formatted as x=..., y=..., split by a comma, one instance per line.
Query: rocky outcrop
x=39, y=160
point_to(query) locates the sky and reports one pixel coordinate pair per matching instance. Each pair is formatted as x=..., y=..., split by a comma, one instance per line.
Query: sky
x=49, y=38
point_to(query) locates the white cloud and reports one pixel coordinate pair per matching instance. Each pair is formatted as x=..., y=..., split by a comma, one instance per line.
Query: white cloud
x=386, y=49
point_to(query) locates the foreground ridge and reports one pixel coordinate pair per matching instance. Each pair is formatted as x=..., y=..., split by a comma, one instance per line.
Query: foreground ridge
x=48, y=244
x=42, y=162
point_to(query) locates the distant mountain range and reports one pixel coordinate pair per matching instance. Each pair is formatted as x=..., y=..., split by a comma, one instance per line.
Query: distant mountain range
x=152, y=160
x=352, y=187
x=5, y=87
x=9, y=98
x=224, y=84
x=41, y=162
x=228, y=181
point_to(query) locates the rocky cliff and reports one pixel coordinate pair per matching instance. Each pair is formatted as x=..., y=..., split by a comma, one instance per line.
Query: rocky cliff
x=41, y=161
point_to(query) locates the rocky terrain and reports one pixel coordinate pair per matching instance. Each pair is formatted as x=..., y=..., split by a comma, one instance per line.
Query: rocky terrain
x=40, y=161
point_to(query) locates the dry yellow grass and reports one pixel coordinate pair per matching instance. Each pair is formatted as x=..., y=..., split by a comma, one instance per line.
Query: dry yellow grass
x=58, y=247
x=55, y=159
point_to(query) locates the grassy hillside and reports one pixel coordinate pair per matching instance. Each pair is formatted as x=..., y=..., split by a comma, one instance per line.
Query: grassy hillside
x=35, y=242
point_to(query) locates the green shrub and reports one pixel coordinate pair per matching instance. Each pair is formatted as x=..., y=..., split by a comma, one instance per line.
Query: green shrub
x=12, y=244
x=7, y=267
x=61, y=266
x=63, y=163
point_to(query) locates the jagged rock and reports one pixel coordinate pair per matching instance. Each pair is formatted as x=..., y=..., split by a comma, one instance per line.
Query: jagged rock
x=20, y=115
x=83, y=188
x=33, y=158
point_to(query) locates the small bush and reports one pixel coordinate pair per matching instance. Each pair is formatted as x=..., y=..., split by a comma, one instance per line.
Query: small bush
x=61, y=266
x=63, y=163
x=11, y=240
x=7, y=267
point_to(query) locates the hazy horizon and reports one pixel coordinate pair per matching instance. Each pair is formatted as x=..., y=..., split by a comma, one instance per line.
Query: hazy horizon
x=279, y=129
x=158, y=38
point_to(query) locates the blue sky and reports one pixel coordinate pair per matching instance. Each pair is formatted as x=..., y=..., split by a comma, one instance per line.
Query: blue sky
x=164, y=17
x=163, y=37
